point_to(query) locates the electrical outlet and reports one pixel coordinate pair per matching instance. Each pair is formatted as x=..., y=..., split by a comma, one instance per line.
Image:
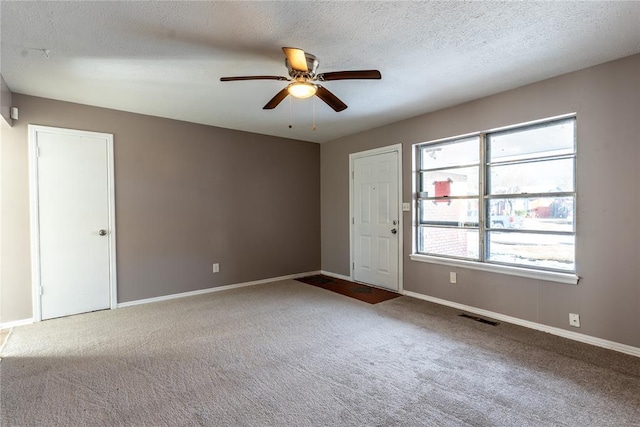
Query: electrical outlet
x=453, y=277
x=574, y=320
x=216, y=267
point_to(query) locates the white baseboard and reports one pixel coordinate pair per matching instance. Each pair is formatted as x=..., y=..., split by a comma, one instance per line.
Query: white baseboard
x=335, y=275
x=13, y=324
x=216, y=289
x=611, y=345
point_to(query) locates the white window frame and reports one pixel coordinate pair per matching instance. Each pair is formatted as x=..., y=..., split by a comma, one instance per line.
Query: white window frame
x=483, y=199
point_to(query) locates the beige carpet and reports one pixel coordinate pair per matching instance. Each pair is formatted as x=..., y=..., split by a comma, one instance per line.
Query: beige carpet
x=290, y=354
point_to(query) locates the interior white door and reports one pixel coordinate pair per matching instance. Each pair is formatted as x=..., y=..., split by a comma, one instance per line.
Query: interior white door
x=375, y=219
x=73, y=222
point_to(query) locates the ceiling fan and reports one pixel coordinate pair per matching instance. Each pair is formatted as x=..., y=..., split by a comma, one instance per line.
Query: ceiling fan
x=302, y=75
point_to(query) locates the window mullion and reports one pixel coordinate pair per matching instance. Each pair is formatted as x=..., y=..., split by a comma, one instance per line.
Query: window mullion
x=416, y=200
x=482, y=205
x=445, y=168
x=530, y=195
x=532, y=160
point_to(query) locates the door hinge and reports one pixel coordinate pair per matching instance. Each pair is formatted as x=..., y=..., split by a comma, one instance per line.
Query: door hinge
x=37, y=151
x=353, y=266
x=353, y=220
x=41, y=291
x=353, y=174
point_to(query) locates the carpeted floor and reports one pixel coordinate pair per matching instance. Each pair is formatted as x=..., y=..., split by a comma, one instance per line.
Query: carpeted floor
x=358, y=291
x=290, y=354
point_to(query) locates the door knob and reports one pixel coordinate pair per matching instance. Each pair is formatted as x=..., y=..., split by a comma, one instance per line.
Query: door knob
x=102, y=232
x=394, y=231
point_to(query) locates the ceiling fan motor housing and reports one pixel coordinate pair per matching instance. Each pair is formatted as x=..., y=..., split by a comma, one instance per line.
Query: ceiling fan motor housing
x=312, y=66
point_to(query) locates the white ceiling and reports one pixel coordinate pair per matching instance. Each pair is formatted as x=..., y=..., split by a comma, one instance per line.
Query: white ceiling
x=165, y=58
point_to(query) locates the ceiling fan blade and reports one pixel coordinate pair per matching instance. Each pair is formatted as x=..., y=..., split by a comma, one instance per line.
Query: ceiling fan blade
x=350, y=75
x=331, y=100
x=273, y=103
x=233, y=79
x=296, y=58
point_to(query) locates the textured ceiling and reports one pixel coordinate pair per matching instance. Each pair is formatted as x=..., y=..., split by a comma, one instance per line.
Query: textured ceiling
x=166, y=58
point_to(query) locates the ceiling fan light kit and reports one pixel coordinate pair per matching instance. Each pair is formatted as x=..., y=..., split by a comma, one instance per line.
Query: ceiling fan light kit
x=302, y=89
x=302, y=75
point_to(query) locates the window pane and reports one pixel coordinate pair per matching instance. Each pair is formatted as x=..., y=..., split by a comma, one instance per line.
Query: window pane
x=451, y=213
x=552, y=139
x=461, y=152
x=457, y=242
x=535, y=177
x=532, y=250
x=540, y=214
x=452, y=182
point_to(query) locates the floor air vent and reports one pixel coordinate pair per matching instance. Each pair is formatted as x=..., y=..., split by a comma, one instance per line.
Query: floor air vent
x=478, y=319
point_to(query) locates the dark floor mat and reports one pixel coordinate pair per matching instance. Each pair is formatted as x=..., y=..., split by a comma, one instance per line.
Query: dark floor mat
x=358, y=291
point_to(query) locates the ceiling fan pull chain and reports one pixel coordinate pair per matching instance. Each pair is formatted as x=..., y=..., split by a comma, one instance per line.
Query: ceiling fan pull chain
x=290, y=113
x=313, y=103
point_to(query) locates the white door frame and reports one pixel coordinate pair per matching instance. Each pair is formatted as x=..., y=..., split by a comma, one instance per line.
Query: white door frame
x=373, y=152
x=34, y=208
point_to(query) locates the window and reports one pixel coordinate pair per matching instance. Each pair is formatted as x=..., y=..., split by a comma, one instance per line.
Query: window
x=504, y=197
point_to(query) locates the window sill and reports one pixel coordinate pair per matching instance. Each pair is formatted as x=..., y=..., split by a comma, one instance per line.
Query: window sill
x=550, y=276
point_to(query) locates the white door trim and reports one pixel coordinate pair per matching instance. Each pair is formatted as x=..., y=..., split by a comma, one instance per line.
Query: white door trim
x=373, y=152
x=34, y=209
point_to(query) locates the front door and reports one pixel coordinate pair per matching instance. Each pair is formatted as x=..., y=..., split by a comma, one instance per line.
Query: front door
x=375, y=219
x=73, y=221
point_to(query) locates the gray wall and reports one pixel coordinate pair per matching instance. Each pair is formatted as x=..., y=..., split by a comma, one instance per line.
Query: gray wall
x=606, y=99
x=187, y=195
